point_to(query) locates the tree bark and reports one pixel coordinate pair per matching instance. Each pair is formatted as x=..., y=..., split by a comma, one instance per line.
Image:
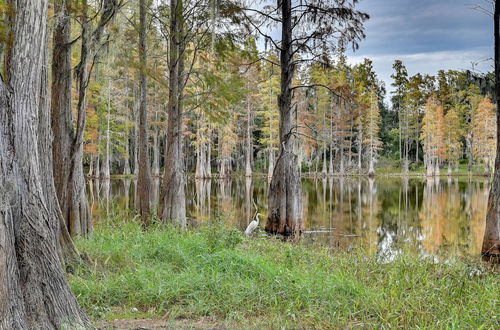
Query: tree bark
x=491, y=242
x=172, y=206
x=285, y=192
x=67, y=153
x=34, y=293
x=144, y=178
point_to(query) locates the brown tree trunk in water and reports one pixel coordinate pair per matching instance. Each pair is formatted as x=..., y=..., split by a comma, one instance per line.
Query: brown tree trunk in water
x=144, y=178
x=172, y=205
x=67, y=155
x=491, y=242
x=34, y=293
x=285, y=192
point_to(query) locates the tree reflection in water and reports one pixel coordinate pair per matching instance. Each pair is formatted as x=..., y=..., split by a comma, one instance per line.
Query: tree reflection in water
x=382, y=216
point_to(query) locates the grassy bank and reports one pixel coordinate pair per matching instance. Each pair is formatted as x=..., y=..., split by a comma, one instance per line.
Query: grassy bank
x=214, y=272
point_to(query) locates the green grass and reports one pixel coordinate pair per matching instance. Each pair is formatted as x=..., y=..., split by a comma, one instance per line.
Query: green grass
x=265, y=283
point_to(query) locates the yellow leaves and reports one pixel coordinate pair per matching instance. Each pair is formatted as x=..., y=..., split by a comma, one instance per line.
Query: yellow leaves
x=453, y=135
x=484, y=131
x=433, y=130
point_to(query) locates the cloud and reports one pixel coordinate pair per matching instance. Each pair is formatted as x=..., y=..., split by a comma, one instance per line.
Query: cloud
x=428, y=62
x=427, y=35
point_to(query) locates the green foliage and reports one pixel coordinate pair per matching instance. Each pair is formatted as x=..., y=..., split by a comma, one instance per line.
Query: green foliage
x=220, y=237
x=259, y=283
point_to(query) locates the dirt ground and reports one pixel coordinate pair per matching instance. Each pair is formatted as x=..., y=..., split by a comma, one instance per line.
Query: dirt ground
x=153, y=324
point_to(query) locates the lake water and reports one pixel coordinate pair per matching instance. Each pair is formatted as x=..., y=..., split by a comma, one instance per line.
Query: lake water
x=383, y=216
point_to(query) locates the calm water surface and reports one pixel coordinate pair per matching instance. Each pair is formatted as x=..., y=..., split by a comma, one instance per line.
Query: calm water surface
x=385, y=216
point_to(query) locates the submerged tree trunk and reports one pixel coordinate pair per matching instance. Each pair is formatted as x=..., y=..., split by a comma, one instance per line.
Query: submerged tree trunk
x=144, y=178
x=285, y=192
x=34, y=293
x=491, y=242
x=67, y=146
x=172, y=206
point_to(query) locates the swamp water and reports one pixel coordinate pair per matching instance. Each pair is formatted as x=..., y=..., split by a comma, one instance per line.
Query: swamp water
x=382, y=216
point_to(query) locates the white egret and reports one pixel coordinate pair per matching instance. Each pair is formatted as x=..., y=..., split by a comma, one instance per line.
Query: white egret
x=251, y=227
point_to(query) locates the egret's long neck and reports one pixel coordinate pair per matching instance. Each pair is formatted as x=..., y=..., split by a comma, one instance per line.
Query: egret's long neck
x=258, y=218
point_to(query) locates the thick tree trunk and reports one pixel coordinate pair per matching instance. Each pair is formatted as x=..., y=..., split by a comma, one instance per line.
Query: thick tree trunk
x=491, y=242
x=144, y=178
x=172, y=206
x=67, y=149
x=34, y=293
x=285, y=192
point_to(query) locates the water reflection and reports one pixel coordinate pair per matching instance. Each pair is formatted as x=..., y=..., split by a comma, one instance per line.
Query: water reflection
x=383, y=216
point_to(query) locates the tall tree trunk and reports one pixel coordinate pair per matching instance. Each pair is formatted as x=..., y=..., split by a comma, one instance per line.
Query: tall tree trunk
x=67, y=149
x=202, y=151
x=270, y=169
x=155, y=167
x=172, y=206
x=97, y=167
x=105, y=169
x=144, y=179
x=360, y=147
x=285, y=192
x=126, y=158
x=34, y=293
x=135, y=114
x=491, y=242
x=249, y=145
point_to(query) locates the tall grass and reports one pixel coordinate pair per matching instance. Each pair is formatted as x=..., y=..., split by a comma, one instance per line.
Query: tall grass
x=214, y=271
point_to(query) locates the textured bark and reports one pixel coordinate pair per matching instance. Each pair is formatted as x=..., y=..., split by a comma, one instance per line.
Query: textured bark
x=491, y=241
x=172, y=206
x=285, y=192
x=34, y=293
x=67, y=169
x=144, y=178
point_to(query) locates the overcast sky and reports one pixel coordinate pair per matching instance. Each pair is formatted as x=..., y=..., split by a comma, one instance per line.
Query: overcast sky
x=427, y=35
